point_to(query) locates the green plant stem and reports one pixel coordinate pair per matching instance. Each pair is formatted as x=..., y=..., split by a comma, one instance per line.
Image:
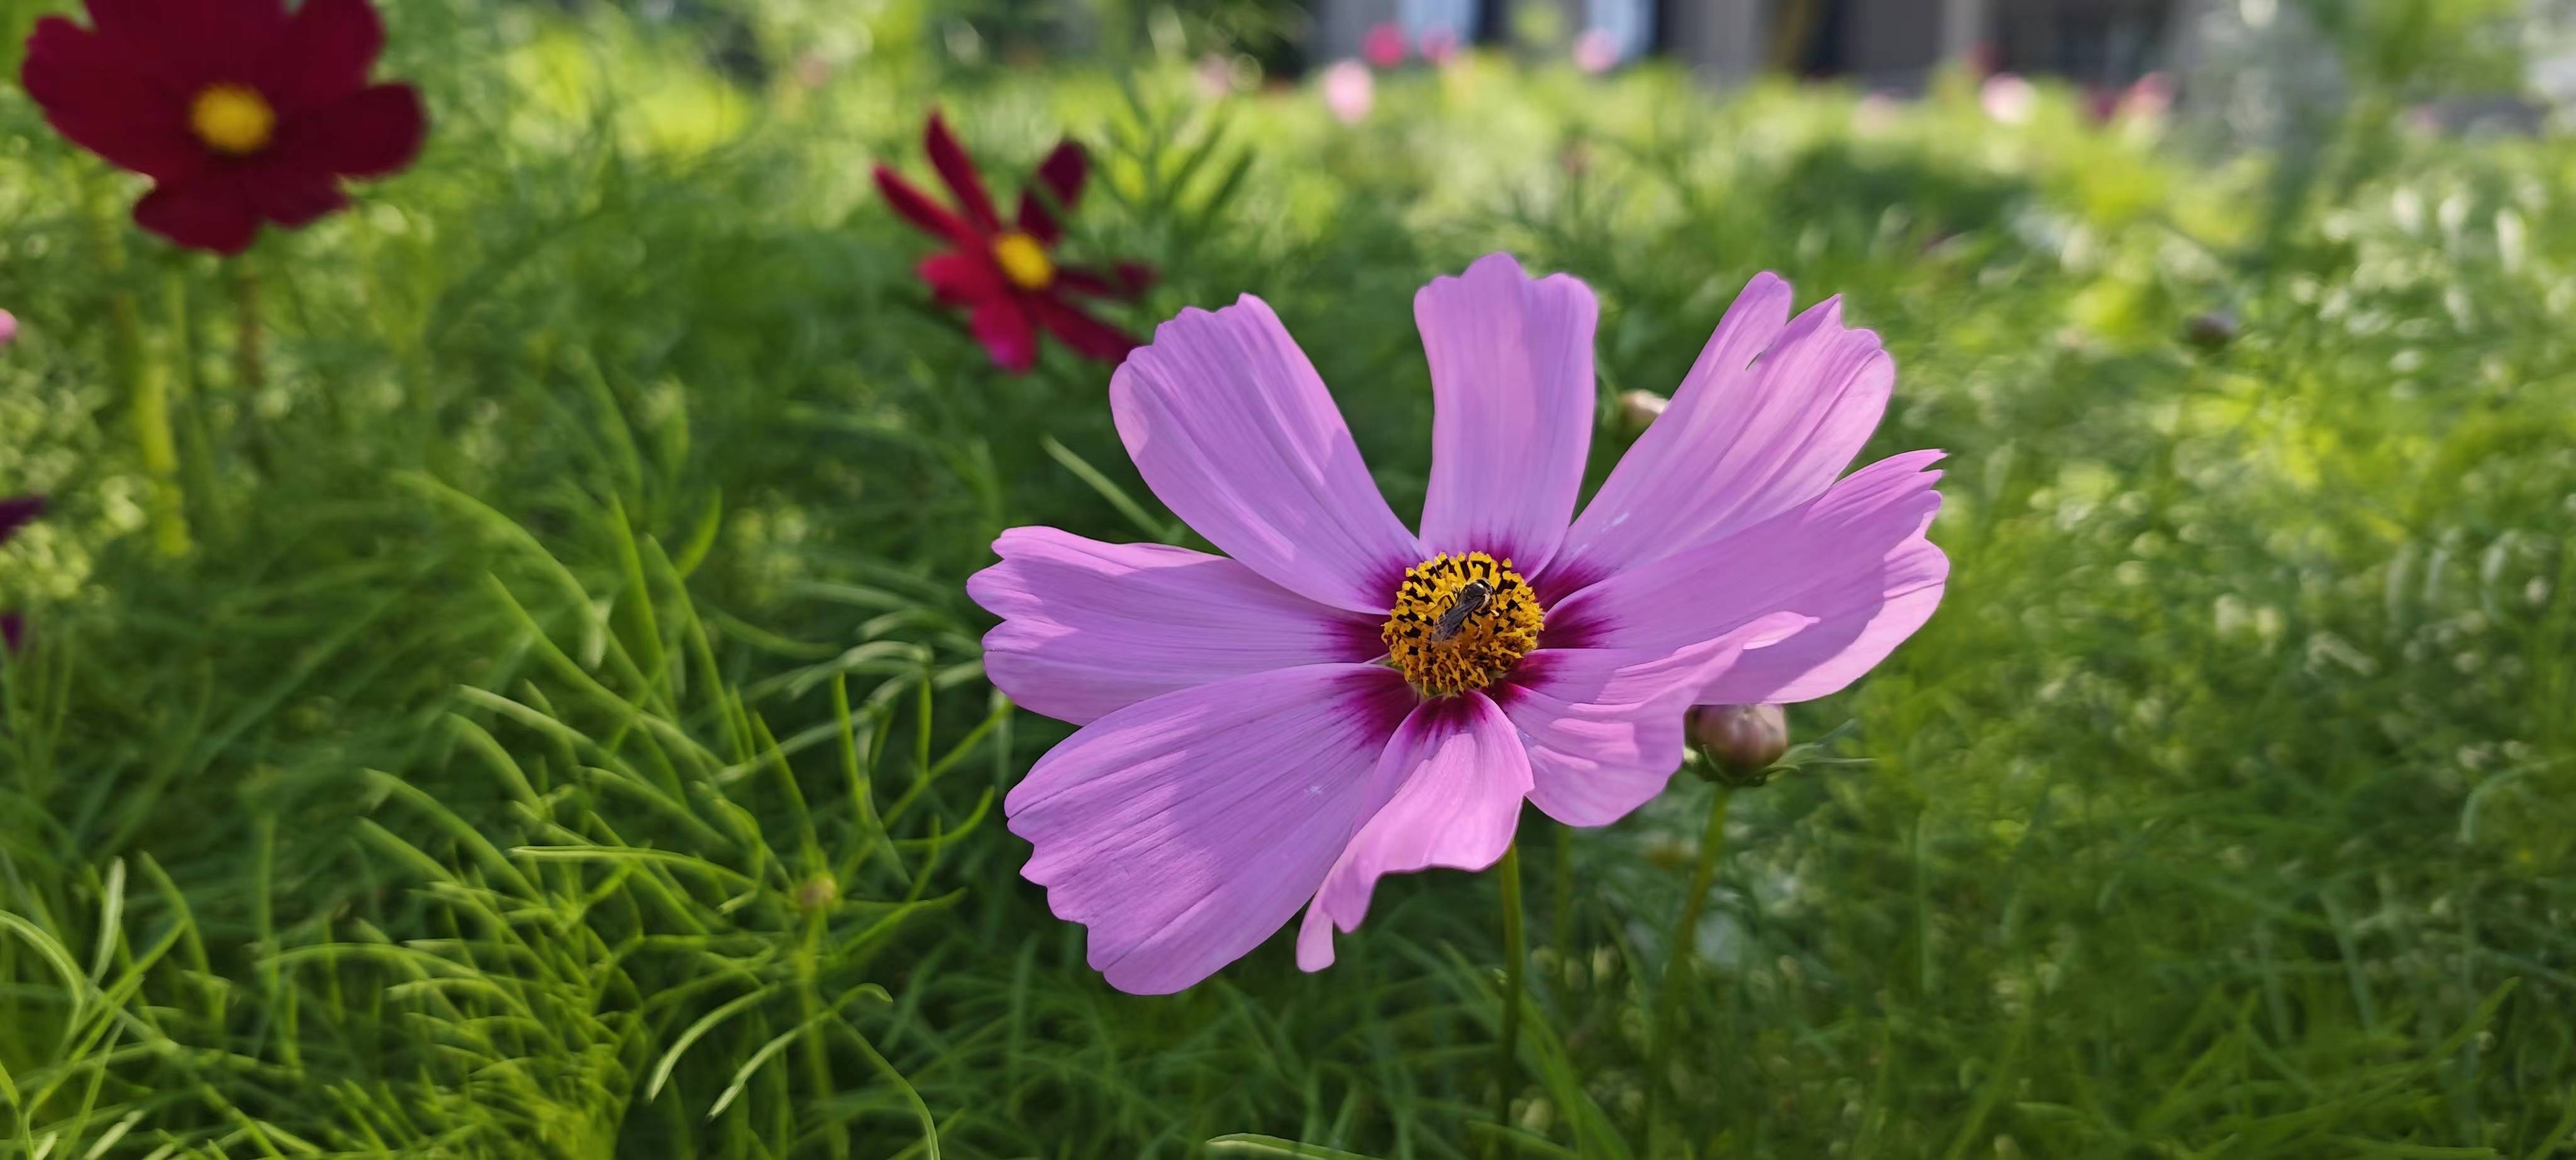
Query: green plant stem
x=145, y=380
x=1659, y=1023
x=1515, y=956
x=250, y=364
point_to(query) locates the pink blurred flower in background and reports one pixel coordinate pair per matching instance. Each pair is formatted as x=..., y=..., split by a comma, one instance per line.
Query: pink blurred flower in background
x=2149, y=99
x=1350, y=91
x=2008, y=98
x=1596, y=51
x=1383, y=46
x=8, y=328
x=1439, y=44
x=1876, y=112
x=1339, y=698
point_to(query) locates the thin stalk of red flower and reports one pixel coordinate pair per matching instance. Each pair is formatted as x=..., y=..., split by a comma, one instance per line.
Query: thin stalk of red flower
x=1515, y=956
x=250, y=366
x=1659, y=1030
x=145, y=379
x=197, y=453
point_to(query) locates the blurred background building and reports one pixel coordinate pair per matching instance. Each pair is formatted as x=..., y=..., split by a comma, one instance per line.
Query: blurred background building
x=1882, y=43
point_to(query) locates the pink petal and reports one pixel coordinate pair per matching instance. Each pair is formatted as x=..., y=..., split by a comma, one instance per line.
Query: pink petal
x=1829, y=560
x=1230, y=426
x=1859, y=622
x=1090, y=628
x=1457, y=773
x=1764, y=422
x=1003, y=326
x=1511, y=383
x=1186, y=829
x=1603, y=727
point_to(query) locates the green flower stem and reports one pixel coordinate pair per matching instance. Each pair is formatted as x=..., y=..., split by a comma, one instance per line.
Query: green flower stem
x=145, y=379
x=1515, y=956
x=1659, y=1024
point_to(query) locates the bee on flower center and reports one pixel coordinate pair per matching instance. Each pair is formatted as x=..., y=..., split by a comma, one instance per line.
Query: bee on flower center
x=1471, y=599
x=1460, y=622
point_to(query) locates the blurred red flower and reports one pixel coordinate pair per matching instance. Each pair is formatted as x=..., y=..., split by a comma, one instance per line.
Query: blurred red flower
x=1006, y=276
x=15, y=511
x=237, y=110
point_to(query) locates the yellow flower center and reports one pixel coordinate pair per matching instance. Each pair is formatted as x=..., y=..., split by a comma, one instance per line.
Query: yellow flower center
x=1023, y=261
x=1461, y=622
x=233, y=119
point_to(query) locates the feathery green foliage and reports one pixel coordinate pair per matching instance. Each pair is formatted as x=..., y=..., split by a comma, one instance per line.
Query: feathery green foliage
x=568, y=740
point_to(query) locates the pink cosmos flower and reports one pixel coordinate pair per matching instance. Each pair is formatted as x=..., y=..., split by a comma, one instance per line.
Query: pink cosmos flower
x=1350, y=91
x=1596, y=51
x=2008, y=98
x=1339, y=698
x=1440, y=44
x=1383, y=45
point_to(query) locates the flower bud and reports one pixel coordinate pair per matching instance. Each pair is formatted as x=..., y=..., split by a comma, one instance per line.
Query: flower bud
x=817, y=893
x=1637, y=409
x=2211, y=329
x=1742, y=740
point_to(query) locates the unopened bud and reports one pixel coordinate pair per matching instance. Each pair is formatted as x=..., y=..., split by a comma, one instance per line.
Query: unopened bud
x=1741, y=740
x=817, y=893
x=1639, y=408
x=2211, y=329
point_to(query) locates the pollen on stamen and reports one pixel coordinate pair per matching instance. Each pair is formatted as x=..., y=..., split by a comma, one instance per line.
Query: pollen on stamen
x=1489, y=641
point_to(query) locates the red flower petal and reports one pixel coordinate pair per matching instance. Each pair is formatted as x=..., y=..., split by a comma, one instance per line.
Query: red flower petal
x=1127, y=280
x=105, y=97
x=1088, y=336
x=1061, y=175
x=196, y=42
x=961, y=279
x=1002, y=325
x=917, y=208
x=16, y=511
x=955, y=168
x=325, y=54
x=200, y=214
x=370, y=133
x=293, y=199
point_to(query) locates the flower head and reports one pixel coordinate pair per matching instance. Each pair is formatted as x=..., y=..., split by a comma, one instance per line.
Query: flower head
x=1005, y=274
x=8, y=328
x=1350, y=91
x=15, y=511
x=1383, y=46
x=1340, y=697
x=238, y=111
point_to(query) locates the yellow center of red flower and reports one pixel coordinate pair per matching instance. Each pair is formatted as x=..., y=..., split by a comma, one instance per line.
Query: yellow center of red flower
x=233, y=119
x=1461, y=622
x=1023, y=261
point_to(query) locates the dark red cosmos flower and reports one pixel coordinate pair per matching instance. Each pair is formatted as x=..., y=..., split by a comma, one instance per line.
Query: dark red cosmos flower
x=14, y=514
x=238, y=111
x=1005, y=276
